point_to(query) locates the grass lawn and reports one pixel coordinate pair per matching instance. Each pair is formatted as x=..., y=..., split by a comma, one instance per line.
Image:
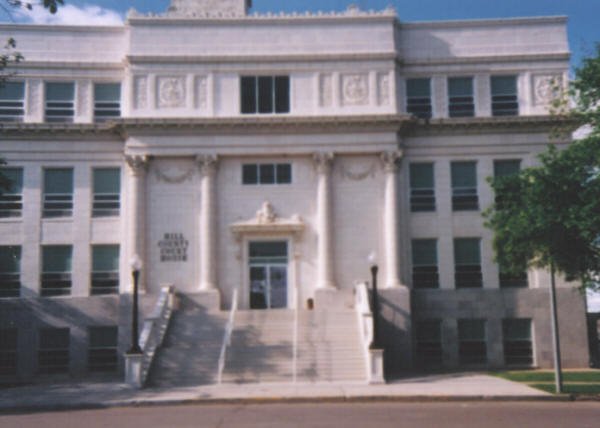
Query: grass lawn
x=574, y=381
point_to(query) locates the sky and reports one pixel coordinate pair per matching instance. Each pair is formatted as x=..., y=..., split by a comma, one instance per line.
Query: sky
x=583, y=24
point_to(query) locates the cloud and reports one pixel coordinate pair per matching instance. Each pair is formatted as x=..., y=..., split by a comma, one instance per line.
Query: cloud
x=73, y=15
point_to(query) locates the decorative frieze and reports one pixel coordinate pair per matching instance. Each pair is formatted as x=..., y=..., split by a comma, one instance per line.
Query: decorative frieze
x=325, y=90
x=171, y=92
x=383, y=89
x=546, y=88
x=174, y=175
x=358, y=175
x=355, y=89
x=140, y=89
x=201, y=92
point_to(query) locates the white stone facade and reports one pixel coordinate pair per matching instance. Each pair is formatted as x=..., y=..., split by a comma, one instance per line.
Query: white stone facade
x=181, y=143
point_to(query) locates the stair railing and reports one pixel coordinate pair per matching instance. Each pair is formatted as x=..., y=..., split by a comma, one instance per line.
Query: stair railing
x=373, y=357
x=227, y=336
x=295, y=338
x=151, y=338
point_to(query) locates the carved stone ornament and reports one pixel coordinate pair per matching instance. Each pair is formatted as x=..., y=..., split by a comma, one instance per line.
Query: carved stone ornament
x=383, y=89
x=171, y=92
x=35, y=94
x=207, y=164
x=268, y=222
x=140, y=88
x=355, y=89
x=84, y=93
x=323, y=162
x=174, y=175
x=266, y=213
x=369, y=171
x=208, y=8
x=546, y=88
x=137, y=164
x=390, y=160
x=325, y=90
x=201, y=92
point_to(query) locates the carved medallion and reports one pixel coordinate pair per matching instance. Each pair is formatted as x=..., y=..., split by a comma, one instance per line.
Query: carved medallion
x=355, y=89
x=546, y=88
x=171, y=92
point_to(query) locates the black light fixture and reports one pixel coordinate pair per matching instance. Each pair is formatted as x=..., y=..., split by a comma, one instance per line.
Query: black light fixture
x=136, y=267
x=375, y=306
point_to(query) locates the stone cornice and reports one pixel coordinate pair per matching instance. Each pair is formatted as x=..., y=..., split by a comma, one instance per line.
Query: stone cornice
x=497, y=58
x=494, y=22
x=70, y=130
x=229, y=59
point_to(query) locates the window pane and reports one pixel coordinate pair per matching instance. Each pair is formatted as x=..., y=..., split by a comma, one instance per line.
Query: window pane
x=268, y=249
x=503, y=168
x=265, y=94
x=56, y=258
x=284, y=173
x=282, y=94
x=466, y=251
x=103, y=337
x=504, y=85
x=53, y=338
x=13, y=91
x=58, y=180
x=105, y=258
x=248, y=94
x=107, y=92
x=460, y=86
x=418, y=88
x=250, y=174
x=464, y=174
x=424, y=252
x=60, y=91
x=15, y=179
x=107, y=180
x=421, y=175
x=517, y=329
x=267, y=173
x=471, y=330
x=10, y=259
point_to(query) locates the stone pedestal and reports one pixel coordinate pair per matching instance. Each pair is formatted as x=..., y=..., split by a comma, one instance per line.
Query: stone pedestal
x=133, y=370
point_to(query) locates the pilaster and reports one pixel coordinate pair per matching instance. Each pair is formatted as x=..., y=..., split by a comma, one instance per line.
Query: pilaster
x=325, y=273
x=136, y=221
x=208, y=169
x=390, y=163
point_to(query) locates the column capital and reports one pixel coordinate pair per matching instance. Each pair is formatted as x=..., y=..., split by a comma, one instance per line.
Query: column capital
x=390, y=160
x=323, y=162
x=138, y=164
x=207, y=164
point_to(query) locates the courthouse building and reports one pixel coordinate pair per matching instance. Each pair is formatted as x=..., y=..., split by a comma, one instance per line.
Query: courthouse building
x=271, y=154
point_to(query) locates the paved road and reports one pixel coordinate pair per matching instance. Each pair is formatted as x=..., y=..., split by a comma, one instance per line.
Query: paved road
x=347, y=415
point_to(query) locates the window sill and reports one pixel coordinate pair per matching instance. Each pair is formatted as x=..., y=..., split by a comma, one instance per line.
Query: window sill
x=57, y=219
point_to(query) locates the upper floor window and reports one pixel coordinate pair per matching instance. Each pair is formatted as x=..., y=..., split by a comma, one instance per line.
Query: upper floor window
x=105, y=269
x=467, y=263
x=425, y=263
x=505, y=101
x=12, y=101
x=107, y=192
x=265, y=94
x=418, y=97
x=10, y=271
x=505, y=168
x=56, y=270
x=464, y=186
x=267, y=173
x=11, y=197
x=58, y=192
x=460, y=97
x=422, y=188
x=107, y=101
x=60, y=101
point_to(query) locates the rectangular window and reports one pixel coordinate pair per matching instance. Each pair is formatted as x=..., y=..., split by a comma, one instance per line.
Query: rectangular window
x=105, y=269
x=464, y=186
x=107, y=192
x=58, y=192
x=418, y=97
x=102, y=353
x=12, y=101
x=429, y=343
x=471, y=342
x=53, y=351
x=56, y=270
x=505, y=101
x=460, y=97
x=267, y=173
x=265, y=94
x=512, y=280
x=422, y=188
x=518, y=349
x=505, y=168
x=107, y=101
x=60, y=101
x=467, y=263
x=11, y=197
x=10, y=271
x=8, y=351
x=425, y=264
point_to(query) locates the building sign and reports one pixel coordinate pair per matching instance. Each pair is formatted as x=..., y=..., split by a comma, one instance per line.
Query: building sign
x=173, y=248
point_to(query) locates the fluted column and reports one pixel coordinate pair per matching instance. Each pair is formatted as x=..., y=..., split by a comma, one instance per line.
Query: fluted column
x=136, y=222
x=390, y=162
x=325, y=268
x=208, y=223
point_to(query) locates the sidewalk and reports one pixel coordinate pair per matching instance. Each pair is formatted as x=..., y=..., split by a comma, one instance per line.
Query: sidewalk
x=432, y=387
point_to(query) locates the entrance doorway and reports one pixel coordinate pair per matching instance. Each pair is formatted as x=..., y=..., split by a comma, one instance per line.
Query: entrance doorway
x=268, y=270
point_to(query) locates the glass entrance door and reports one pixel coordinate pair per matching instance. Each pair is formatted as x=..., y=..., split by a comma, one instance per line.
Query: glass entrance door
x=268, y=275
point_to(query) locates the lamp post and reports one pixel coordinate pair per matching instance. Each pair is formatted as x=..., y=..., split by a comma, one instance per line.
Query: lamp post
x=374, y=269
x=136, y=267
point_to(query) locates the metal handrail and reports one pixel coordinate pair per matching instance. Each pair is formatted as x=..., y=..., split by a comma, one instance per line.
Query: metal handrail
x=227, y=336
x=295, y=337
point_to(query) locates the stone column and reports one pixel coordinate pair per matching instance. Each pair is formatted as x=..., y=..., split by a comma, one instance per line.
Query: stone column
x=136, y=222
x=390, y=220
x=325, y=269
x=208, y=224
